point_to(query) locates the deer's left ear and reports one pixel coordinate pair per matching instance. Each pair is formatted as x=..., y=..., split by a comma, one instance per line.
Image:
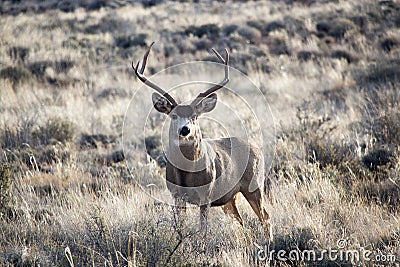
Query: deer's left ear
x=207, y=104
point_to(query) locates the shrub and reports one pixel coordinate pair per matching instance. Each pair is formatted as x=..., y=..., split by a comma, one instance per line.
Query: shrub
x=278, y=46
x=15, y=75
x=308, y=55
x=96, y=140
x=323, y=26
x=202, y=44
x=251, y=34
x=386, y=71
x=257, y=24
x=377, y=157
x=297, y=238
x=384, y=192
x=341, y=26
x=13, y=137
x=132, y=40
x=209, y=30
x=341, y=54
x=273, y=26
x=388, y=44
x=385, y=128
x=55, y=129
x=229, y=29
x=38, y=68
x=18, y=53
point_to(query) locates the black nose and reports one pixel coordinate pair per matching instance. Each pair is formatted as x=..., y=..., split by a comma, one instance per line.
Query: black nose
x=184, y=131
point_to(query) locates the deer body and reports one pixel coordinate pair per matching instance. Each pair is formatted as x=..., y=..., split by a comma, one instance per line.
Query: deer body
x=223, y=176
x=208, y=172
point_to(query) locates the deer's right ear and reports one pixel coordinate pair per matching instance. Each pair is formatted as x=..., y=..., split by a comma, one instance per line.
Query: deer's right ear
x=161, y=104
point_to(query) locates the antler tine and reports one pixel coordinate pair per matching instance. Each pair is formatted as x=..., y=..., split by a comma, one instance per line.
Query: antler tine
x=139, y=74
x=220, y=84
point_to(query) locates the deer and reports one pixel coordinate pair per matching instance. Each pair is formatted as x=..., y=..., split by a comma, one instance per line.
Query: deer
x=208, y=172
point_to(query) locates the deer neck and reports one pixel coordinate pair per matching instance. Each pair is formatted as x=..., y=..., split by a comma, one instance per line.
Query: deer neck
x=193, y=150
x=189, y=155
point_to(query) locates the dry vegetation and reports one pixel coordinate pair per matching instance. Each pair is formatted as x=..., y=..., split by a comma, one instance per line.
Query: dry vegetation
x=330, y=69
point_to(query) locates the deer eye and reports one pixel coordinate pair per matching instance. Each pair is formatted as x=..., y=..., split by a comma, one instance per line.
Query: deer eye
x=174, y=116
x=194, y=117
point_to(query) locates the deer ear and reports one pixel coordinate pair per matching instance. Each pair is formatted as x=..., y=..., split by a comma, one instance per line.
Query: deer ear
x=161, y=104
x=207, y=104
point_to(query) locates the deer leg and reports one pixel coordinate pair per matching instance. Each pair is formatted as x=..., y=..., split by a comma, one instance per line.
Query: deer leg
x=256, y=202
x=231, y=209
x=204, y=216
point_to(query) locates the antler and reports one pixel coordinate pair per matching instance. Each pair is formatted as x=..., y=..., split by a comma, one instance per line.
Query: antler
x=139, y=74
x=220, y=84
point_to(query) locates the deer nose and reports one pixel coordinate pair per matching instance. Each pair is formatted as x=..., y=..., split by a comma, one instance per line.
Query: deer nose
x=184, y=131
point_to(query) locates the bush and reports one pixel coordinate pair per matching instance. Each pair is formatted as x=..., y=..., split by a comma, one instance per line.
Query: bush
x=211, y=31
x=340, y=27
x=132, y=40
x=251, y=34
x=274, y=26
x=386, y=71
x=55, y=129
x=308, y=55
x=341, y=54
x=39, y=68
x=385, y=128
x=296, y=239
x=229, y=29
x=377, y=157
x=388, y=44
x=18, y=53
x=96, y=140
x=278, y=46
x=15, y=75
x=13, y=137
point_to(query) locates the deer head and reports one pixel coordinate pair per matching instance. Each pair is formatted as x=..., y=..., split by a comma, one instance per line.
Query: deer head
x=184, y=127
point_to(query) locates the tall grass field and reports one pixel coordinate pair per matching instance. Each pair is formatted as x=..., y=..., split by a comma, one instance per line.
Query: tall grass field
x=82, y=166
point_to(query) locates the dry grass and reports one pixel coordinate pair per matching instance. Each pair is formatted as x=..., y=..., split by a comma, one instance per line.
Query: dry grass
x=329, y=69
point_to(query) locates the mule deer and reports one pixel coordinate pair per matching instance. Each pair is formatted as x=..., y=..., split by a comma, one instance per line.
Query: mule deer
x=208, y=172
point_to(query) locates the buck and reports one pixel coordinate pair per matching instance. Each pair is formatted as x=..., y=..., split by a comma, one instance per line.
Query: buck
x=208, y=172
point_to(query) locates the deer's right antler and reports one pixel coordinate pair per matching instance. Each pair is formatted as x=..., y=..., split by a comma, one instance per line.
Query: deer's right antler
x=139, y=74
